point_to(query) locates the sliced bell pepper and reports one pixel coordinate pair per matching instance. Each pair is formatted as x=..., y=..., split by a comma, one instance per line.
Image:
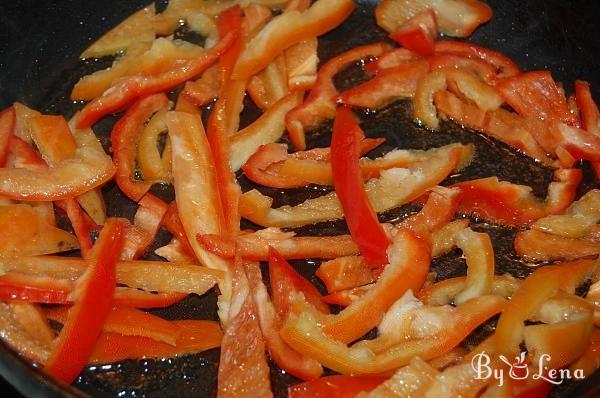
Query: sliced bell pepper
x=535, y=245
x=135, y=28
x=16, y=336
x=515, y=205
x=131, y=88
x=590, y=115
x=437, y=211
x=172, y=222
x=590, y=360
x=78, y=223
x=408, y=268
x=458, y=18
x=419, y=33
x=390, y=59
x=204, y=90
x=346, y=297
x=407, y=381
x=284, y=356
x=196, y=336
x=255, y=246
x=147, y=220
x=196, y=192
x=301, y=62
x=304, y=335
x=479, y=253
x=92, y=202
x=93, y=297
x=487, y=72
x=534, y=291
x=579, y=143
x=34, y=321
x=272, y=166
x=319, y=105
x=124, y=138
x=393, y=188
x=270, y=85
x=154, y=166
x=286, y=282
x=268, y=128
x=505, y=67
x=175, y=251
x=443, y=292
x=129, y=321
x=335, y=386
x=287, y=29
x=345, y=273
x=390, y=84
x=7, y=125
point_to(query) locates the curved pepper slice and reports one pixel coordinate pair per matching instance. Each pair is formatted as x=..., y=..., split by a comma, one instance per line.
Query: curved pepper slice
x=536, y=245
x=335, y=386
x=408, y=268
x=196, y=336
x=505, y=67
x=360, y=217
x=419, y=33
x=131, y=88
x=154, y=166
x=124, y=138
x=93, y=297
x=288, y=29
x=393, y=188
x=443, y=292
x=515, y=205
x=319, y=104
x=478, y=250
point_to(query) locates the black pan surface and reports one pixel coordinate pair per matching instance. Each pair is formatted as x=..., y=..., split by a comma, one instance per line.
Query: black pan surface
x=39, y=44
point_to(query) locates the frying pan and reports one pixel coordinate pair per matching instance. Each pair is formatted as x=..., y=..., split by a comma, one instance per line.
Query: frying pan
x=41, y=39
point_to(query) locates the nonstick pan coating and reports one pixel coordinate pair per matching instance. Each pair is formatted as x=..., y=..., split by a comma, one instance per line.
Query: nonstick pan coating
x=38, y=66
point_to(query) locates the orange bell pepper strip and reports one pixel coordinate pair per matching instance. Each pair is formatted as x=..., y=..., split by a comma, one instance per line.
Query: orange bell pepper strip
x=458, y=18
x=360, y=217
x=154, y=165
x=535, y=245
x=543, y=284
x=319, y=105
x=444, y=292
x=129, y=321
x=438, y=210
x=515, y=205
x=196, y=336
x=402, y=274
x=479, y=253
x=272, y=166
x=345, y=273
x=124, y=137
x=287, y=29
x=335, y=386
x=93, y=298
x=7, y=125
x=204, y=90
x=419, y=33
x=286, y=282
x=147, y=220
x=132, y=88
x=348, y=296
x=270, y=322
x=255, y=246
x=393, y=188
x=302, y=332
x=391, y=84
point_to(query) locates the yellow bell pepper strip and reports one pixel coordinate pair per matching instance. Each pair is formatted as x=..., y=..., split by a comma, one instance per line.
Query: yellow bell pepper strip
x=457, y=18
x=319, y=105
x=360, y=217
x=393, y=188
x=270, y=322
x=93, y=298
x=408, y=268
x=125, y=136
x=129, y=89
x=287, y=29
x=196, y=336
x=534, y=291
x=302, y=332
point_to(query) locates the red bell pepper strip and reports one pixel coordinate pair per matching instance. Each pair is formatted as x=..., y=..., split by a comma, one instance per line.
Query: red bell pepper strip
x=439, y=209
x=505, y=66
x=172, y=222
x=338, y=386
x=131, y=88
x=147, y=221
x=287, y=29
x=345, y=273
x=320, y=105
x=93, y=299
x=224, y=120
x=487, y=72
x=124, y=137
x=347, y=179
x=286, y=282
x=580, y=143
x=515, y=205
x=536, y=94
x=590, y=115
x=196, y=336
x=204, y=90
x=284, y=356
x=79, y=224
x=390, y=59
x=418, y=34
x=389, y=85
x=348, y=296
x=7, y=125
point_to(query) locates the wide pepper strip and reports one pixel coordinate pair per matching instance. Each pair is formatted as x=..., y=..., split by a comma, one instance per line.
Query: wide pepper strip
x=124, y=138
x=129, y=89
x=348, y=182
x=93, y=298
